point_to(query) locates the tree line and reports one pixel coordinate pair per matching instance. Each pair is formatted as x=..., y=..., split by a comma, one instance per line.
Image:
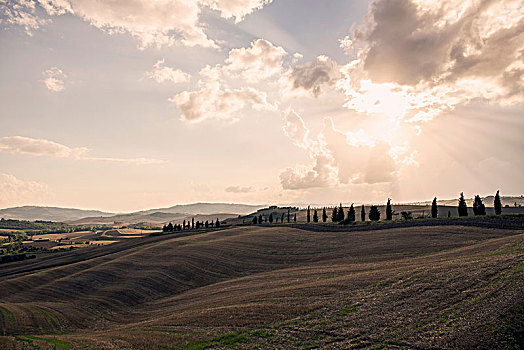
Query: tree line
x=339, y=215
x=190, y=225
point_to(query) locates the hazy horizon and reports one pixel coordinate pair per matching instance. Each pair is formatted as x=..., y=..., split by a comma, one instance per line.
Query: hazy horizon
x=127, y=106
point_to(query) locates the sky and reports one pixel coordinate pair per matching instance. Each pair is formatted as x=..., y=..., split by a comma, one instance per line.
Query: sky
x=126, y=105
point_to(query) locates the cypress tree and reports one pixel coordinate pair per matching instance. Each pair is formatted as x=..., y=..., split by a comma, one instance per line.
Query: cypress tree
x=324, y=215
x=351, y=214
x=497, y=204
x=170, y=227
x=334, y=214
x=295, y=218
x=434, y=209
x=389, y=211
x=282, y=218
x=193, y=223
x=462, y=206
x=288, y=216
x=374, y=214
x=341, y=213
x=184, y=225
x=260, y=219
x=217, y=223
x=255, y=221
x=363, y=213
x=308, y=214
x=271, y=218
x=315, y=216
x=478, y=207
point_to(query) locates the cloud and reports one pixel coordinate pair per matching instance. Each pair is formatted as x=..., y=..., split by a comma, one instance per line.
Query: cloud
x=239, y=189
x=236, y=9
x=424, y=57
x=22, y=14
x=54, y=79
x=162, y=73
x=338, y=157
x=260, y=61
x=18, y=192
x=40, y=147
x=311, y=76
x=152, y=23
x=322, y=173
x=211, y=101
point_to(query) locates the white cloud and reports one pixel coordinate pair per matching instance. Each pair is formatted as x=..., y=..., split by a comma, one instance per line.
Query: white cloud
x=162, y=73
x=322, y=173
x=18, y=192
x=152, y=23
x=240, y=189
x=54, y=79
x=338, y=157
x=22, y=13
x=40, y=147
x=419, y=58
x=211, y=101
x=260, y=61
x=236, y=9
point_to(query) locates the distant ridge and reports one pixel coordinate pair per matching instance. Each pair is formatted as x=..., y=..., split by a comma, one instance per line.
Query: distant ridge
x=488, y=201
x=205, y=209
x=32, y=213
x=72, y=215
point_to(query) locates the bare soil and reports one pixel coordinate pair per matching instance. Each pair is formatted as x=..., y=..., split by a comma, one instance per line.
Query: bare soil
x=453, y=285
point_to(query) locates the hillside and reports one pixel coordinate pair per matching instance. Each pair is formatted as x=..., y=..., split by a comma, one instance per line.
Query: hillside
x=32, y=213
x=274, y=287
x=154, y=216
x=206, y=209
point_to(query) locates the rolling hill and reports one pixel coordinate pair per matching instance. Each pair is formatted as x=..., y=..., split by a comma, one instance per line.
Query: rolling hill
x=157, y=216
x=449, y=286
x=32, y=213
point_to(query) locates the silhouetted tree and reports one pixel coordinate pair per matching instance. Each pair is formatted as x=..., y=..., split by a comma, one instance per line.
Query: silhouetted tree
x=389, y=210
x=406, y=215
x=193, y=223
x=295, y=218
x=340, y=213
x=434, y=209
x=462, y=206
x=170, y=227
x=315, y=216
x=184, y=224
x=478, y=207
x=282, y=218
x=374, y=214
x=351, y=214
x=497, y=204
x=334, y=214
x=308, y=214
x=255, y=220
x=217, y=223
x=271, y=218
x=363, y=213
x=288, y=216
x=449, y=213
x=260, y=218
x=324, y=215
x=164, y=229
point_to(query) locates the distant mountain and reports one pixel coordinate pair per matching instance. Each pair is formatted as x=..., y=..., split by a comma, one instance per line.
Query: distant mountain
x=32, y=213
x=206, y=209
x=161, y=215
